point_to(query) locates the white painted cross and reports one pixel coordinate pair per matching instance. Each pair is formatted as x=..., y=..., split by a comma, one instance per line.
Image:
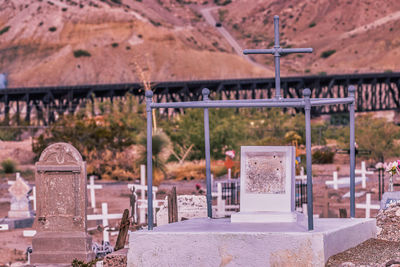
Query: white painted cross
x=104, y=216
x=33, y=197
x=363, y=173
x=302, y=176
x=93, y=187
x=368, y=206
x=222, y=209
x=229, y=174
x=334, y=182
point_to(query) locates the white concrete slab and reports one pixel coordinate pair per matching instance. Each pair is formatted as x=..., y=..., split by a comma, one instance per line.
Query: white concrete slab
x=217, y=242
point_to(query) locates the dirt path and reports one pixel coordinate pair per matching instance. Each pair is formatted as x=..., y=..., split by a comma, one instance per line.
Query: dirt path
x=206, y=12
x=376, y=23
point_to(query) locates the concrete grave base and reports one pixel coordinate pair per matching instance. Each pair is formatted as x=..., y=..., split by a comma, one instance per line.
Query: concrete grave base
x=217, y=242
x=266, y=217
x=61, y=248
x=14, y=223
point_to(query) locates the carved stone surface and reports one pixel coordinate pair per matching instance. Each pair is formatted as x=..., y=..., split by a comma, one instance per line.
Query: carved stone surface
x=19, y=207
x=61, y=207
x=266, y=185
x=265, y=173
x=189, y=207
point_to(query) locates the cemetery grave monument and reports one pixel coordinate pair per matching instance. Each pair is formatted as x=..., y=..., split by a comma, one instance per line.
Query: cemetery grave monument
x=60, y=179
x=251, y=241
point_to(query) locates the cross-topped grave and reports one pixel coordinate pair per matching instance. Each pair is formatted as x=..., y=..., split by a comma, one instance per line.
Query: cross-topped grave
x=363, y=171
x=104, y=216
x=277, y=51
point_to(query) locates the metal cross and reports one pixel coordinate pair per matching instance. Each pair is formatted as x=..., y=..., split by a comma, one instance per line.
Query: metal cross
x=277, y=51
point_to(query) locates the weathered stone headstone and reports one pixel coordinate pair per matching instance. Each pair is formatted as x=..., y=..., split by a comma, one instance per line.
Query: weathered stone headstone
x=61, y=207
x=390, y=198
x=267, y=185
x=188, y=207
x=19, y=207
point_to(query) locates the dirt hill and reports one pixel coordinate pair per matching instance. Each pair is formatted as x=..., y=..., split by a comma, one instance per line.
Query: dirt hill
x=59, y=42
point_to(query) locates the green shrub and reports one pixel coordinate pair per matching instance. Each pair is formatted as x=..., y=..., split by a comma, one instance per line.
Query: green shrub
x=81, y=53
x=328, y=53
x=323, y=156
x=312, y=24
x=52, y=29
x=114, y=45
x=5, y=29
x=9, y=166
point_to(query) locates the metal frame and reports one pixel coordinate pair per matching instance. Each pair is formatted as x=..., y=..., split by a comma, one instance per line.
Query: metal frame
x=305, y=103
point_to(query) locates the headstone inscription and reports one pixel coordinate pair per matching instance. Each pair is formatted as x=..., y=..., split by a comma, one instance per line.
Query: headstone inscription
x=267, y=185
x=61, y=207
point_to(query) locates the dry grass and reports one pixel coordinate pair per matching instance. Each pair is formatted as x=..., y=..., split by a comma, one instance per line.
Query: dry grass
x=192, y=170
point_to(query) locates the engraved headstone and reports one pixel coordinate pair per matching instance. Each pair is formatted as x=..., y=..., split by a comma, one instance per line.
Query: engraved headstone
x=61, y=207
x=19, y=207
x=267, y=185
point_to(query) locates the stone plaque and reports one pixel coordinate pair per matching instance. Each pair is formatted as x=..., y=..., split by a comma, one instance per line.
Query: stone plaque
x=390, y=198
x=265, y=173
x=61, y=207
x=266, y=184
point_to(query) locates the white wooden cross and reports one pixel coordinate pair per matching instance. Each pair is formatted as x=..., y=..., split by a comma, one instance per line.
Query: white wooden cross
x=222, y=209
x=104, y=216
x=368, y=206
x=302, y=176
x=334, y=182
x=363, y=173
x=33, y=197
x=93, y=187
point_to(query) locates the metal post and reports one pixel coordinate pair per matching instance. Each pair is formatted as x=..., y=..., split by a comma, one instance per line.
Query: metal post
x=307, y=109
x=276, y=58
x=205, y=93
x=352, y=154
x=149, y=96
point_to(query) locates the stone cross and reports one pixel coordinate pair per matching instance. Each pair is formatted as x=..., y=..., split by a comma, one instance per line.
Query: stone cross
x=368, y=206
x=334, y=182
x=93, y=187
x=19, y=207
x=61, y=192
x=104, y=216
x=277, y=51
x=363, y=173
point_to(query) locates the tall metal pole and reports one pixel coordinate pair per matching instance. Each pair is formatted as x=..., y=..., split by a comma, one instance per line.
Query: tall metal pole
x=276, y=59
x=205, y=93
x=352, y=91
x=149, y=96
x=307, y=109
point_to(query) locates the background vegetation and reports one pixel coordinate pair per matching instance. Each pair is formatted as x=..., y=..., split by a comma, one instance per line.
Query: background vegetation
x=112, y=137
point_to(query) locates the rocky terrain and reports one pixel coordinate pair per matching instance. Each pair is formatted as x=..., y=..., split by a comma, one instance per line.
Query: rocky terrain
x=59, y=42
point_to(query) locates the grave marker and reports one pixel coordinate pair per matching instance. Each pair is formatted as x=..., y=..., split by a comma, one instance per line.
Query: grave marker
x=60, y=180
x=266, y=185
x=19, y=207
x=104, y=216
x=93, y=187
x=367, y=206
x=389, y=198
x=363, y=171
